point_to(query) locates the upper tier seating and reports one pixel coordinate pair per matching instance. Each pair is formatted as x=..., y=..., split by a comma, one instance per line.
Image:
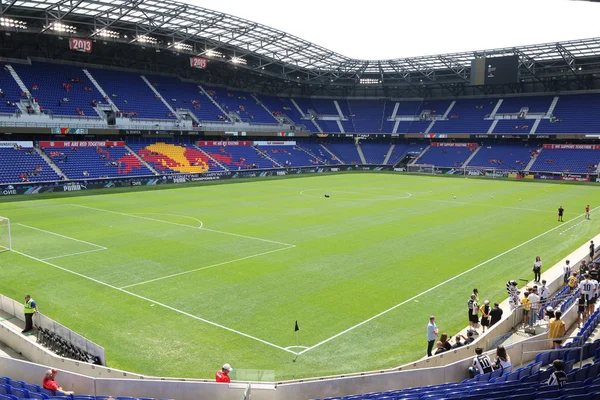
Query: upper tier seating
x=175, y=158
x=467, y=116
x=566, y=160
x=413, y=126
x=96, y=162
x=409, y=107
x=61, y=89
x=238, y=157
x=514, y=126
x=241, y=103
x=346, y=152
x=374, y=152
x=445, y=156
x=502, y=157
x=328, y=126
x=320, y=106
x=292, y=156
x=576, y=113
x=436, y=107
x=11, y=92
x=131, y=94
x=283, y=106
x=188, y=96
x=536, y=104
x=368, y=116
x=24, y=165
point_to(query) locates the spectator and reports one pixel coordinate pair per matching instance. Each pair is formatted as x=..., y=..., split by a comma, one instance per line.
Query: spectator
x=481, y=363
x=495, y=314
x=592, y=247
x=444, y=339
x=544, y=293
x=514, y=300
x=581, y=311
x=457, y=341
x=29, y=309
x=502, y=360
x=432, y=333
x=549, y=313
x=50, y=383
x=558, y=377
x=526, y=307
x=556, y=329
x=511, y=287
x=485, y=315
x=534, y=300
x=223, y=374
x=439, y=348
x=473, y=313
x=537, y=269
x=572, y=282
x=470, y=338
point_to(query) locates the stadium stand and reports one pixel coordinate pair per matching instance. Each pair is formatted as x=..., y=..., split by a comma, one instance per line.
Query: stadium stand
x=467, y=116
x=502, y=156
x=238, y=157
x=282, y=106
x=346, y=152
x=402, y=149
x=368, y=116
x=534, y=104
x=292, y=156
x=24, y=165
x=131, y=94
x=175, y=157
x=188, y=96
x=374, y=153
x=575, y=113
x=318, y=151
x=514, y=126
x=10, y=93
x=579, y=161
x=443, y=156
x=413, y=126
x=59, y=89
x=96, y=162
x=241, y=103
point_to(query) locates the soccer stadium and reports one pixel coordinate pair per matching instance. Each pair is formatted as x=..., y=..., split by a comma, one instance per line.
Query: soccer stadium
x=198, y=206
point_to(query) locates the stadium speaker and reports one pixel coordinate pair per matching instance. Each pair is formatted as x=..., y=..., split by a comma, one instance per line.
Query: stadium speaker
x=111, y=118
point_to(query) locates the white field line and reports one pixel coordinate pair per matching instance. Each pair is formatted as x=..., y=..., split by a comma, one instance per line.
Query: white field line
x=175, y=215
x=574, y=226
x=184, y=225
x=438, y=285
x=207, y=267
x=479, y=204
x=155, y=302
x=72, y=254
x=62, y=236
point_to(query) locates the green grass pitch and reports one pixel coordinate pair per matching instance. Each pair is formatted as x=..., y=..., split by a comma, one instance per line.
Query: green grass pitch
x=176, y=282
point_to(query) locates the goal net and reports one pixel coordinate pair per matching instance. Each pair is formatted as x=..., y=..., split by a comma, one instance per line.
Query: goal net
x=422, y=168
x=5, y=240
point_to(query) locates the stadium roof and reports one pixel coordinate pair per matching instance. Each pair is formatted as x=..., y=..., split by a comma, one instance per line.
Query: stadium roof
x=225, y=38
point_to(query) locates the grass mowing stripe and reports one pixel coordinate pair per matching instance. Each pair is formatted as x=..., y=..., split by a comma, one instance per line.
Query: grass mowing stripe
x=440, y=284
x=62, y=236
x=72, y=254
x=155, y=302
x=207, y=267
x=184, y=225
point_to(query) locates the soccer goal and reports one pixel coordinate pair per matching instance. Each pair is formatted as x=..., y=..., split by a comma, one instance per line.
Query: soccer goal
x=422, y=169
x=5, y=239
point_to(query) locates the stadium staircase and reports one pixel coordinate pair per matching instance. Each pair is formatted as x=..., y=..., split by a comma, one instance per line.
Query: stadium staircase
x=23, y=103
x=417, y=158
x=213, y=100
x=496, y=108
x=18, y=79
x=536, y=123
x=396, y=106
x=473, y=154
x=337, y=106
x=100, y=90
x=430, y=127
x=361, y=154
x=492, y=126
x=136, y=155
x=317, y=126
x=298, y=108
x=333, y=156
x=156, y=93
x=340, y=126
x=310, y=153
x=396, y=125
x=211, y=157
x=552, y=106
x=267, y=156
x=50, y=162
x=450, y=107
x=260, y=103
x=389, y=154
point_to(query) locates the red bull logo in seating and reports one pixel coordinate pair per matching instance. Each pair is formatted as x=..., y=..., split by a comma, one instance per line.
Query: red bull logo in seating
x=176, y=157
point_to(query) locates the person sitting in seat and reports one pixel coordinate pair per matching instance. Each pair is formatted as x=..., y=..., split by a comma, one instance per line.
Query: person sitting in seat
x=50, y=383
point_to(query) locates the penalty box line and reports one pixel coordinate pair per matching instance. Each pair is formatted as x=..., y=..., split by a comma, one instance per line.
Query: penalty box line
x=184, y=225
x=166, y=306
x=439, y=285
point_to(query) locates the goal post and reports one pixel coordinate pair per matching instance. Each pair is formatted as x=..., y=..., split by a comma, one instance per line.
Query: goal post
x=5, y=238
x=421, y=169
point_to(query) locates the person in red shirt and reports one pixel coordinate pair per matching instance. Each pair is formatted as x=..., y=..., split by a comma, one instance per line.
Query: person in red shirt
x=50, y=383
x=587, y=212
x=223, y=374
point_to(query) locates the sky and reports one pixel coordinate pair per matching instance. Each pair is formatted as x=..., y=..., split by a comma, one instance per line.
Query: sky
x=384, y=29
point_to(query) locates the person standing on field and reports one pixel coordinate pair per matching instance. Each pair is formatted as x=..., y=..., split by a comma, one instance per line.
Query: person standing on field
x=432, y=334
x=30, y=308
x=561, y=211
x=587, y=212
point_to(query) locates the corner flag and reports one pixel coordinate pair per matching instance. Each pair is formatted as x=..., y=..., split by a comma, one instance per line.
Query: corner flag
x=296, y=329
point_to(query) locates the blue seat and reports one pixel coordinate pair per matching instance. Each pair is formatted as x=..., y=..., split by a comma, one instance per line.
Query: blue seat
x=18, y=384
x=593, y=370
x=543, y=358
x=575, y=397
x=33, y=388
x=58, y=398
x=524, y=372
x=4, y=389
x=5, y=380
x=7, y=397
x=39, y=396
x=514, y=376
x=528, y=396
x=84, y=397
x=594, y=396
x=548, y=394
x=20, y=393
x=572, y=392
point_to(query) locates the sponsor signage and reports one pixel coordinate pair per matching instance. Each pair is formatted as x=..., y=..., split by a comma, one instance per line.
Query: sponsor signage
x=223, y=143
x=444, y=144
x=8, y=191
x=79, y=44
x=17, y=143
x=82, y=144
x=69, y=131
x=198, y=62
x=275, y=143
x=573, y=146
x=435, y=136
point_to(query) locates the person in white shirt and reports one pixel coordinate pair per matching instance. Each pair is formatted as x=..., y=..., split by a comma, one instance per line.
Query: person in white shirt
x=544, y=293
x=534, y=298
x=481, y=363
x=502, y=360
x=514, y=301
x=567, y=271
x=588, y=290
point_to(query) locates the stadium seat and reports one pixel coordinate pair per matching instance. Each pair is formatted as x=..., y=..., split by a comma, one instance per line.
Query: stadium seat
x=39, y=396
x=20, y=393
x=4, y=389
x=547, y=394
x=7, y=397
x=5, y=380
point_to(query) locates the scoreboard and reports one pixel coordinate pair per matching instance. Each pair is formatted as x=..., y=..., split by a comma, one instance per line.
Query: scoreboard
x=495, y=70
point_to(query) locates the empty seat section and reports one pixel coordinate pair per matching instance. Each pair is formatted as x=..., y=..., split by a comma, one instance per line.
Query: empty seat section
x=61, y=89
x=536, y=104
x=574, y=114
x=501, y=156
x=24, y=165
x=131, y=94
x=186, y=95
x=11, y=90
x=242, y=103
x=175, y=157
x=443, y=156
x=413, y=126
x=402, y=149
x=346, y=152
x=291, y=156
x=318, y=151
x=368, y=115
x=95, y=162
x=374, y=152
x=514, y=126
x=238, y=157
x=328, y=126
x=567, y=160
x=467, y=116
x=282, y=106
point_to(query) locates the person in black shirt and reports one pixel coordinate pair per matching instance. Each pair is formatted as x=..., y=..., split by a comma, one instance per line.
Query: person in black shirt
x=561, y=211
x=558, y=377
x=592, y=250
x=495, y=314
